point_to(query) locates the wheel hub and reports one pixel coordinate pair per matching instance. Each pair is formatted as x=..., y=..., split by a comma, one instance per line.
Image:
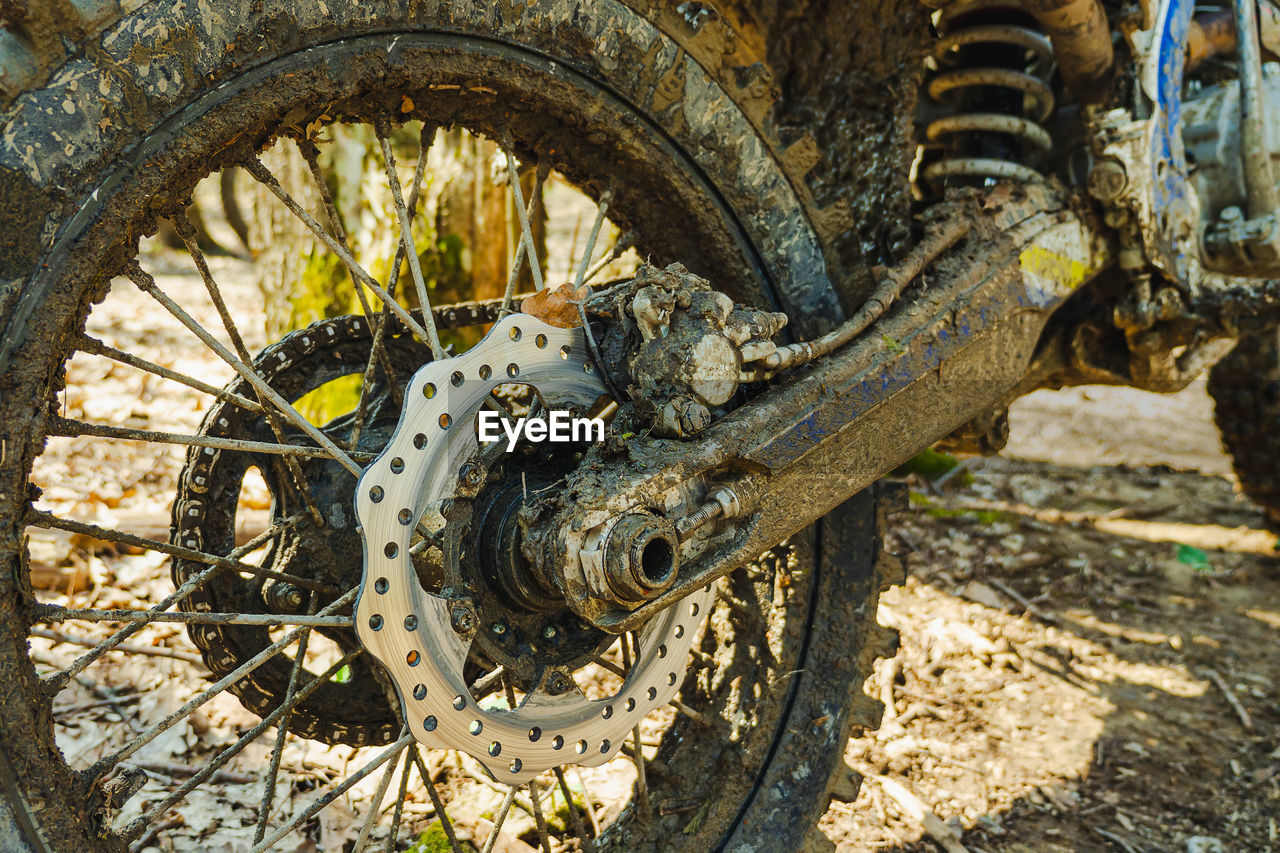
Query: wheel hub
x=424, y=483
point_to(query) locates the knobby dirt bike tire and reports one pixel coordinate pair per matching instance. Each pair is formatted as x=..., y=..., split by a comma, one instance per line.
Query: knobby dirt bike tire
x=1245, y=387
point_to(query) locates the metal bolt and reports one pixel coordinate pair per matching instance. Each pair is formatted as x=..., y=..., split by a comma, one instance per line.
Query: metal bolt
x=549, y=632
x=471, y=475
x=1231, y=214
x=462, y=618
x=1107, y=180
x=499, y=627
x=557, y=683
x=283, y=596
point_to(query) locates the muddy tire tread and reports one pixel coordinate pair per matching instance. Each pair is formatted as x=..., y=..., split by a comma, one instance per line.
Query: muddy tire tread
x=1245, y=387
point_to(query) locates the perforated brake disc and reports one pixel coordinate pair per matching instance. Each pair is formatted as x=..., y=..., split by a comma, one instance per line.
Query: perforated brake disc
x=410, y=630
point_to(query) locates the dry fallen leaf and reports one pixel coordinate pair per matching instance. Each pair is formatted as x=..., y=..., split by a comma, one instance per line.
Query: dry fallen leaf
x=557, y=306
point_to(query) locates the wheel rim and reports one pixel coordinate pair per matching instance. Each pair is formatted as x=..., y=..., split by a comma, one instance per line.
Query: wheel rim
x=392, y=759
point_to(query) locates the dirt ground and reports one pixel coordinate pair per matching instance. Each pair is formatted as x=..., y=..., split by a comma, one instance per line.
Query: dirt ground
x=1090, y=633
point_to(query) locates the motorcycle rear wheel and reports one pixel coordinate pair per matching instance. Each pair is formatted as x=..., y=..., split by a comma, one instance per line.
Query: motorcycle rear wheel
x=123, y=132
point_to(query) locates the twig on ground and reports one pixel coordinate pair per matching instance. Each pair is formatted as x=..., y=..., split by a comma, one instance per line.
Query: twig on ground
x=916, y=810
x=1221, y=683
x=1128, y=846
x=1021, y=600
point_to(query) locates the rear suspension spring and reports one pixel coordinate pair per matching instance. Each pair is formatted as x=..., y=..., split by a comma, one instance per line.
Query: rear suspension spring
x=991, y=89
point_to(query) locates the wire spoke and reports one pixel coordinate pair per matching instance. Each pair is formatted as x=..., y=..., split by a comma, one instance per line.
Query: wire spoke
x=532, y=210
x=406, y=238
x=130, y=648
x=104, y=764
x=615, y=251
x=697, y=716
x=426, y=138
x=55, y=683
x=500, y=818
x=311, y=155
x=526, y=215
x=145, y=282
x=611, y=666
x=221, y=759
x=573, y=811
x=586, y=796
x=182, y=225
x=394, y=833
x=333, y=793
x=282, y=734
x=637, y=758
x=445, y=823
x=57, y=613
x=376, y=804
x=39, y=518
x=544, y=837
x=66, y=428
x=601, y=209
x=487, y=680
x=254, y=167
x=97, y=347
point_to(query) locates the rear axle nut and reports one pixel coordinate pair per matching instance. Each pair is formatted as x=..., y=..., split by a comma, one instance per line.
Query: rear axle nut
x=641, y=556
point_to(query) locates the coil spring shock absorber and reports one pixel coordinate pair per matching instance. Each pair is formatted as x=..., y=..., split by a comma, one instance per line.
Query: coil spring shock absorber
x=990, y=82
